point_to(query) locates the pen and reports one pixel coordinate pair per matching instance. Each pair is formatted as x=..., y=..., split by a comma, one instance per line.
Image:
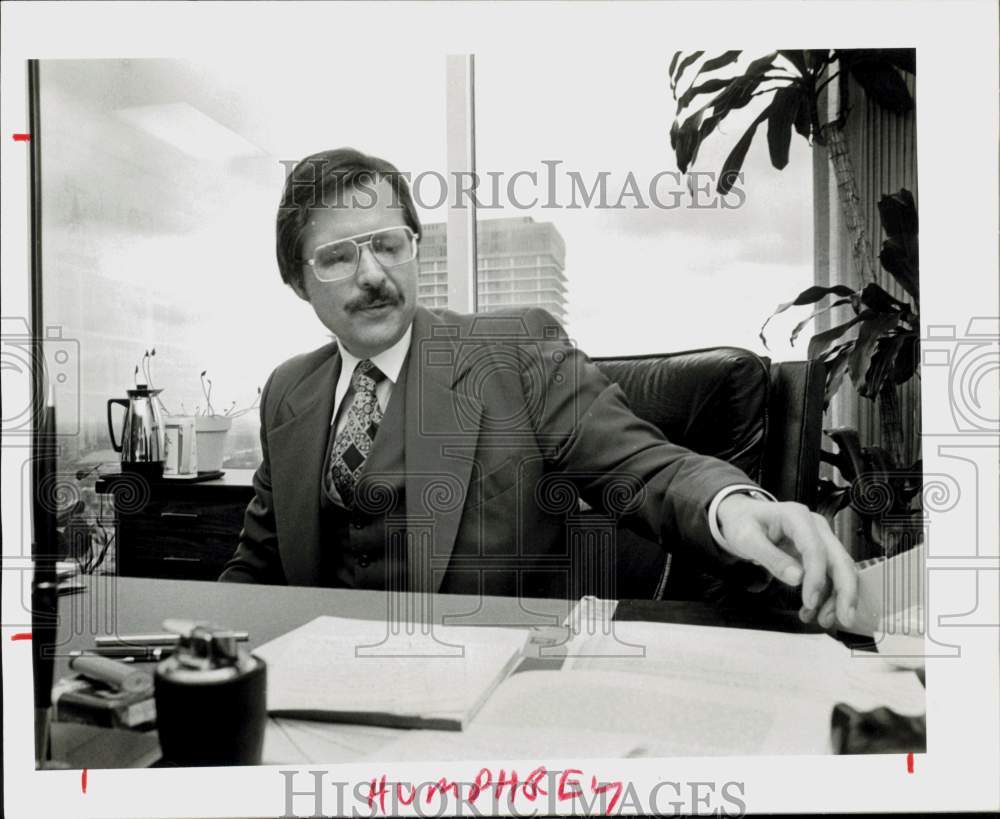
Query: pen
x=140, y=654
x=74, y=654
x=150, y=640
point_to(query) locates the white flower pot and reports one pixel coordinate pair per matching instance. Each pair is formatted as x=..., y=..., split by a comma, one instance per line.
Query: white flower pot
x=211, y=433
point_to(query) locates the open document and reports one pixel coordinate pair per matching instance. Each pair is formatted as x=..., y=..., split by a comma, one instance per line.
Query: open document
x=698, y=690
x=359, y=671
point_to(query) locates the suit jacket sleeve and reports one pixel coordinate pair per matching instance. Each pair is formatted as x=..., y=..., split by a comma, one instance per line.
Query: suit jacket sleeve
x=620, y=463
x=256, y=559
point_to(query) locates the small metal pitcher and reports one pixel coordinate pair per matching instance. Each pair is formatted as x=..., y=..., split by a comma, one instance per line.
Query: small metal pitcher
x=142, y=442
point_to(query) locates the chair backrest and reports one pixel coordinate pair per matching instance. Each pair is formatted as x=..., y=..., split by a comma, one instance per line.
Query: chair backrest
x=732, y=404
x=713, y=401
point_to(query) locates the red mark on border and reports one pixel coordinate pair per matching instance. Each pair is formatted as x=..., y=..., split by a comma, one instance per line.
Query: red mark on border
x=22, y=137
x=21, y=635
x=909, y=763
x=83, y=780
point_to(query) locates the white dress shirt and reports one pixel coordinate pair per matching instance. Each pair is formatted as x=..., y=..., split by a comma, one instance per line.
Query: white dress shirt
x=390, y=362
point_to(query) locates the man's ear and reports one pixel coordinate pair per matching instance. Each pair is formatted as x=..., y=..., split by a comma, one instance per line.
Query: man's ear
x=300, y=290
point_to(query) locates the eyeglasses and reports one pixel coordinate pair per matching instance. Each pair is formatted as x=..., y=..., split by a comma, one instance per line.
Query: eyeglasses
x=338, y=260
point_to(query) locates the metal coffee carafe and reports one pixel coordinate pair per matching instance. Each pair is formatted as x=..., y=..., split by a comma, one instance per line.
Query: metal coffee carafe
x=142, y=442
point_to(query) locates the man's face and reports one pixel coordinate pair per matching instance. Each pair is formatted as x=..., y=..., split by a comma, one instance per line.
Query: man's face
x=370, y=311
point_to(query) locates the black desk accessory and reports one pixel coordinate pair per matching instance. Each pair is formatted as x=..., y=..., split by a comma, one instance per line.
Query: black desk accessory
x=211, y=699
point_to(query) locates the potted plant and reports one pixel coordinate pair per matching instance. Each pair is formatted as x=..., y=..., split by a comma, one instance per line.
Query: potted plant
x=211, y=427
x=877, y=348
x=879, y=355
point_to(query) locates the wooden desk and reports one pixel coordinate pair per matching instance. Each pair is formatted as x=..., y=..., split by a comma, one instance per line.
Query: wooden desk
x=130, y=605
x=122, y=605
x=170, y=528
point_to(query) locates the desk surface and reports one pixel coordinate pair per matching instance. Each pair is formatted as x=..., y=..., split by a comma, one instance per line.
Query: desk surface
x=240, y=480
x=138, y=605
x=123, y=605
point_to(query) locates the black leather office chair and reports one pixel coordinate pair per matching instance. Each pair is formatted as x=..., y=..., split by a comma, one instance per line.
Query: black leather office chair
x=730, y=403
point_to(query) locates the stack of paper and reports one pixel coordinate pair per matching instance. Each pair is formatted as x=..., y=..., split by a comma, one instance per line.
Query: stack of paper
x=358, y=671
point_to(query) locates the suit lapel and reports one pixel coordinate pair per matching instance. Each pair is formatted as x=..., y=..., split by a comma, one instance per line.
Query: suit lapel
x=442, y=428
x=298, y=449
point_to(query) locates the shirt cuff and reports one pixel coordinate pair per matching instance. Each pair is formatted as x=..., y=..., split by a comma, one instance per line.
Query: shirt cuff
x=713, y=507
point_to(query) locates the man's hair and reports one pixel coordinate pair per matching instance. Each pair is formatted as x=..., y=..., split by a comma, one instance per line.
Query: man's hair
x=323, y=180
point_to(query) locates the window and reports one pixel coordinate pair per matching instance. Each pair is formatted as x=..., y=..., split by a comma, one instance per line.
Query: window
x=627, y=276
x=160, y=179
x=160, y=183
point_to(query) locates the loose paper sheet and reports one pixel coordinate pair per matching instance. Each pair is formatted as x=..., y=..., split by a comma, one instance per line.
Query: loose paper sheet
x=338, y=665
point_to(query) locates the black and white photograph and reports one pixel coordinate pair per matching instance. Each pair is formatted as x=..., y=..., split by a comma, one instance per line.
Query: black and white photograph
x=499, y=409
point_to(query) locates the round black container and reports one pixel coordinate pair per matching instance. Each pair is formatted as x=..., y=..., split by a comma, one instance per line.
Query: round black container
x=211, y=717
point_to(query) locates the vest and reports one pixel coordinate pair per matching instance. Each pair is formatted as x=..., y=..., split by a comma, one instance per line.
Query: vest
x=359, y=550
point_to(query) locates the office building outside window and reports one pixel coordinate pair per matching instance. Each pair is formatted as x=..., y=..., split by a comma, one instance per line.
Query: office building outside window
x=520, y=262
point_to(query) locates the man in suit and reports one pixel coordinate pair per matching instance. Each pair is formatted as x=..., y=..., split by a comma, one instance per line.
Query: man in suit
x=433, y=451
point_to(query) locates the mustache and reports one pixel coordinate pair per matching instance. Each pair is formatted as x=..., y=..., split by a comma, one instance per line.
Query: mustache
x=373, y=297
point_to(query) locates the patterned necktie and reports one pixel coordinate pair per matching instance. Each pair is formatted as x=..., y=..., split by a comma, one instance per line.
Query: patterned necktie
x=353, y=443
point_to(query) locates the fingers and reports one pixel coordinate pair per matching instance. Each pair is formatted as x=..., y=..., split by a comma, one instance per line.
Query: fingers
x=808, y=612
x=797, y=523
x=842, y=571
x=827, y=611
x=826, y=571
x=756, y=546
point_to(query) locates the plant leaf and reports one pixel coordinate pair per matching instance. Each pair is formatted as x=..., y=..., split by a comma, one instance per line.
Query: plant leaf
x=801, y=325
x=731, y=167
x=819, y=342
x=741, y=89
x=686, y=139
x=898, y=213
x=803, y=117
x=816, y=58
x=835, y=371
x=796, y=58
x=761, y=64
x=907, y=359
x=903, y=58
x=900, y=253
x=813, y=294
x=832, y=499
x=724, y=59
x=871, y=330
x=810, y=295
x=899, y=259
x=706, y=87
x=883, y=84
x=672, y=68
x=849, y=447
x=690, y=58
x=784, y=109
x=882, y=363
x=878, y=299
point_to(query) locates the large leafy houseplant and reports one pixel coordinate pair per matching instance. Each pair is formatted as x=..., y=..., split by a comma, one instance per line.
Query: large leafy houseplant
x=877, y=346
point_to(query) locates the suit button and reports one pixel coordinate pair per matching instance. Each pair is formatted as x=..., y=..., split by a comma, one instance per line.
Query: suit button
x=358, y=524
x=364, y=562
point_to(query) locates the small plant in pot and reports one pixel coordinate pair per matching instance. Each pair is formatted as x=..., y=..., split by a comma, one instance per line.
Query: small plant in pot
x=212, y=427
